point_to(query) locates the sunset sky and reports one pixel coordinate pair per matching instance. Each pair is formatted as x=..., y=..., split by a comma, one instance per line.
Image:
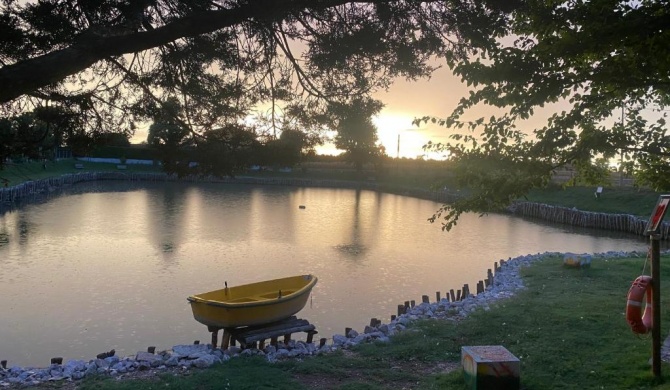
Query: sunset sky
x=406, y=100
x=437, y=96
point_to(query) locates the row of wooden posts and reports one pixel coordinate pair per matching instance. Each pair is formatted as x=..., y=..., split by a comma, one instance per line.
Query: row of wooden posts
x=453, y=295
x=573, y=217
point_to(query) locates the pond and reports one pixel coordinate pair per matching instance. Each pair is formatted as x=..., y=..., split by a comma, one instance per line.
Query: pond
x=109, y=264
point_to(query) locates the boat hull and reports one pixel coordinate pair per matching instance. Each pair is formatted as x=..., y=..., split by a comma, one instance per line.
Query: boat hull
x=252, y=304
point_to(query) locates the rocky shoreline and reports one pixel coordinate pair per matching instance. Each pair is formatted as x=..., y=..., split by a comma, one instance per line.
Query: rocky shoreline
x=182, y=358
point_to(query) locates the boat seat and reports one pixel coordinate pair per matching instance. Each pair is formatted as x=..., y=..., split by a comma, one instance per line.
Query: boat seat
x=273, y=295
x=243, y=300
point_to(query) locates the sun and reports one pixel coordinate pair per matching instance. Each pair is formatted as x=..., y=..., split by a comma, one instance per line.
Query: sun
x=398, y=135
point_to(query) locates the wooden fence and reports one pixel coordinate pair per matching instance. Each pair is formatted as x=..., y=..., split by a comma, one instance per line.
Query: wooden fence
x=573, y=217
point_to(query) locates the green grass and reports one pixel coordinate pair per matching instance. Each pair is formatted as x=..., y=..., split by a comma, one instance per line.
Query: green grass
x=238, y=373
x=615, y=200
x=568, y=329
x=18, y=173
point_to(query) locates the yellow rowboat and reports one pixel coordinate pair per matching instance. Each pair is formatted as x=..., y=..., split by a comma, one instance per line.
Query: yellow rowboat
x=252, y=304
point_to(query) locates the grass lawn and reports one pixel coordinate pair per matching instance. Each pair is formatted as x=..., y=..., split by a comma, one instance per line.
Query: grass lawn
x=20, y=172
x=617, y=200
x=568, y=328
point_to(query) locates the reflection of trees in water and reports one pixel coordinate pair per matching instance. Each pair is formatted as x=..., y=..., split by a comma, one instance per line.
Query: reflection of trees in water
x=357, y=247
x=352, y=250
x=24, y=228
x=165, y=218
x=4, y=233
x=21, y=227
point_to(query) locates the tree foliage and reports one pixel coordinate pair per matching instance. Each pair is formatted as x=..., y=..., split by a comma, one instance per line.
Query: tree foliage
x=169, y=137
x=227, y=151
x=598, y=58
x=36, y=134
x=356, y=133
x=116, y=62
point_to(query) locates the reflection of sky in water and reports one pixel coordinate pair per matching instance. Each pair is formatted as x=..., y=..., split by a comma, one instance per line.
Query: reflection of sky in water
x=111, y=264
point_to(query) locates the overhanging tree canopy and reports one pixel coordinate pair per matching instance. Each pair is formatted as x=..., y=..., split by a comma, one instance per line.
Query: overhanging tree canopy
x=598, y=58
x=117, y=62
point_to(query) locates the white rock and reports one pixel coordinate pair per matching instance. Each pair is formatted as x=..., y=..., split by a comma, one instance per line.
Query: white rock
x=205, y=361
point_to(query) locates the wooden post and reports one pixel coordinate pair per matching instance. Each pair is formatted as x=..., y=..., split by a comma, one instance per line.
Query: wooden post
x=458, y=295
x=287, y=338
x=3, y=363
x=322, y=342
x=393, y=317
x=373, y=322
x=215, y=337
x=273, y=341
x=406, y=304
x=401, y=309
x=152, y=349
x=57, y=360
x=453, y=296
x=412, y=303
x=310, y=336
x=437, y=296
x=225, y=340
x=656, y=304
x=261, y=344
x=425, y=299
x=346, y=332
x=196, y=342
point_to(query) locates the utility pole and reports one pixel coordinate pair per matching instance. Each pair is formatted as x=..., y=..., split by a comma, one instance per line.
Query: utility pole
x=398, y=151
x=397, y=157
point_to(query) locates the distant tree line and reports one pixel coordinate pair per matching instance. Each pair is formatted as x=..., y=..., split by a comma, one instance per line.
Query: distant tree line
x=222, y=151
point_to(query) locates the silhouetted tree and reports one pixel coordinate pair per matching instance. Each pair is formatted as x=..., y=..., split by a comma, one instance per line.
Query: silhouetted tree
x=605, y=63
x=116, y=62
x=356, y=133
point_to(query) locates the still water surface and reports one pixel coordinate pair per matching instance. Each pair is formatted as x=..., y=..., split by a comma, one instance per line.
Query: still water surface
x=109, y=264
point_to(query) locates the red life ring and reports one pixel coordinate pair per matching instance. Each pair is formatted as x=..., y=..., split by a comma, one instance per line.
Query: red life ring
x=639, y=323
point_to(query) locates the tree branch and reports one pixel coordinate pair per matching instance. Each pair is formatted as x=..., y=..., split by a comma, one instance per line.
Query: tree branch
x=28, y=75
